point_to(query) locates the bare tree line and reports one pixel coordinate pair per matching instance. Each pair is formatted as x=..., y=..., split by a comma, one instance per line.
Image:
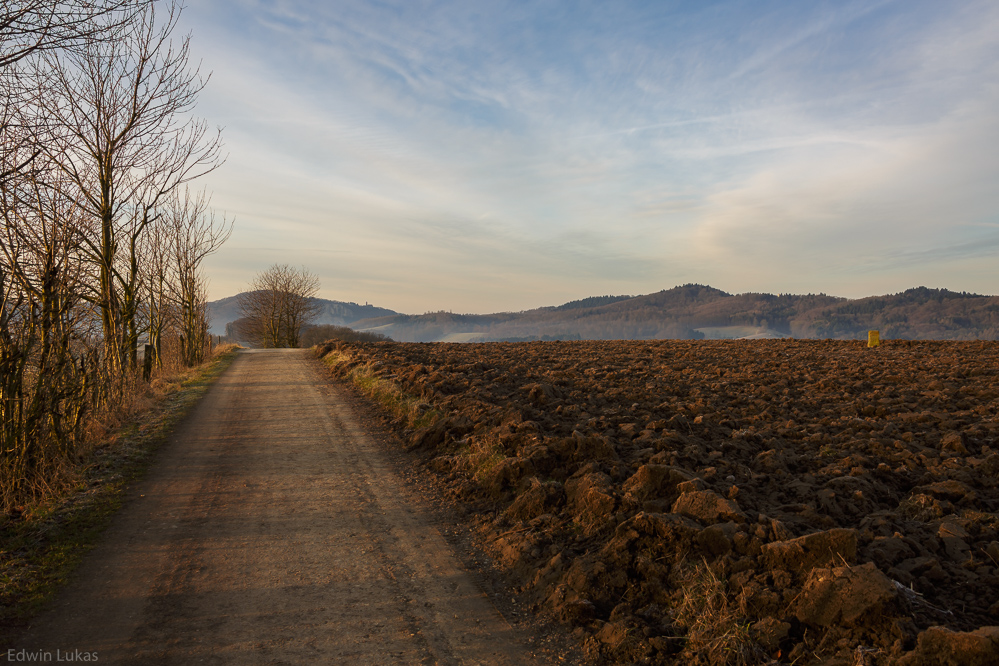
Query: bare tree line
x=103, y=241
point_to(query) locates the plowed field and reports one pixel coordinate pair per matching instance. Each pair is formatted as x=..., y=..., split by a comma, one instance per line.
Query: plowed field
x=722, y=502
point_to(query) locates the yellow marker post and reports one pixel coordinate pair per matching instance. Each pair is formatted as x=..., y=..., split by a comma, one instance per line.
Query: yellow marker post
x=873, y=339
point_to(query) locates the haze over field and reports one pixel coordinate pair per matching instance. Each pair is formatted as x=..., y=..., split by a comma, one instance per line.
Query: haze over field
x=487, y=157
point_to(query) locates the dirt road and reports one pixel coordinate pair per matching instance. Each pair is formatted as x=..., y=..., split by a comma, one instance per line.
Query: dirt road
x=272, y=530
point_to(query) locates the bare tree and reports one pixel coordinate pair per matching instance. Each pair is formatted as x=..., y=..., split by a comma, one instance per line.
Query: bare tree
x=196, y=232
x=30, y=26
x=117, y=117
x=157, y=280
x=260, y=316
x=300, y=304
x=45, y=394
x=100, y=239
x=280, y=303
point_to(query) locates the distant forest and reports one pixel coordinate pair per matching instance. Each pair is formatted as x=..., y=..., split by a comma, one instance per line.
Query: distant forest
x=695, y=311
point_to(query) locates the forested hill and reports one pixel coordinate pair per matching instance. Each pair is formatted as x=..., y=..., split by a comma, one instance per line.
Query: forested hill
x=337, y=313
x=697, y=311
x=921, y=313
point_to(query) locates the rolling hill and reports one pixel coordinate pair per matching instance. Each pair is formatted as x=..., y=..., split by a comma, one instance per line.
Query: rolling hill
x=689, y=311
x=696, y=311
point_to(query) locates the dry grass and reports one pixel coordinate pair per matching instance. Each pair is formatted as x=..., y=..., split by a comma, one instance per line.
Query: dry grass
x=476, y=457
x=716, y=633
x=414, y=411
x=920, y=507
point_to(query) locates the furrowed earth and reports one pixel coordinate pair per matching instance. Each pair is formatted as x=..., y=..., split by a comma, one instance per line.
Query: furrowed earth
x=723, y=502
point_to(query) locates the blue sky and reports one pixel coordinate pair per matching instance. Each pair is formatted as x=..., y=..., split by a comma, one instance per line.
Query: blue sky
x=489, y=156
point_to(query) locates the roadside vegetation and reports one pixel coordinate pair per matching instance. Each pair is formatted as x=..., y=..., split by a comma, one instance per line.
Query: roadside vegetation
x=409, y=410
x=418, y=413
x=102, y=291
x=41, y=547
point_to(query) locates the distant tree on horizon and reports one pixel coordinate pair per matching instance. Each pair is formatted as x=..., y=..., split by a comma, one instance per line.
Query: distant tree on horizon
x=279, y=304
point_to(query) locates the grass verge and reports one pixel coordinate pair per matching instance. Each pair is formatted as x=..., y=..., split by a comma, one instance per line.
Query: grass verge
x=424, y=423
x=39, y=552
x=415, y=412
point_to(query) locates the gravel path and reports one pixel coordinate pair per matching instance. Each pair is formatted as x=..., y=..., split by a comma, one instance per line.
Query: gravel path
x=273, y=530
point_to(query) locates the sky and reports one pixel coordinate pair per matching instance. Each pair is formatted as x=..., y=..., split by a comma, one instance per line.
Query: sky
x=479, y=157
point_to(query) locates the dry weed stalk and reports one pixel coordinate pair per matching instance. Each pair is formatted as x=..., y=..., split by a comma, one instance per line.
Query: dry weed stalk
x=716, y=633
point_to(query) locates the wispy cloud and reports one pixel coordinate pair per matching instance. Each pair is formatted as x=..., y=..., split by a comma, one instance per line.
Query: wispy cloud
x=572, y=149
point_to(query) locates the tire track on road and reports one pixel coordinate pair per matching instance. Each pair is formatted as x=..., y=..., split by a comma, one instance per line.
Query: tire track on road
x=273, y=530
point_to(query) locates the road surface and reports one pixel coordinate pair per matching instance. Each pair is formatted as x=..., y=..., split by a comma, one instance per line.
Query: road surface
x=272, y=529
